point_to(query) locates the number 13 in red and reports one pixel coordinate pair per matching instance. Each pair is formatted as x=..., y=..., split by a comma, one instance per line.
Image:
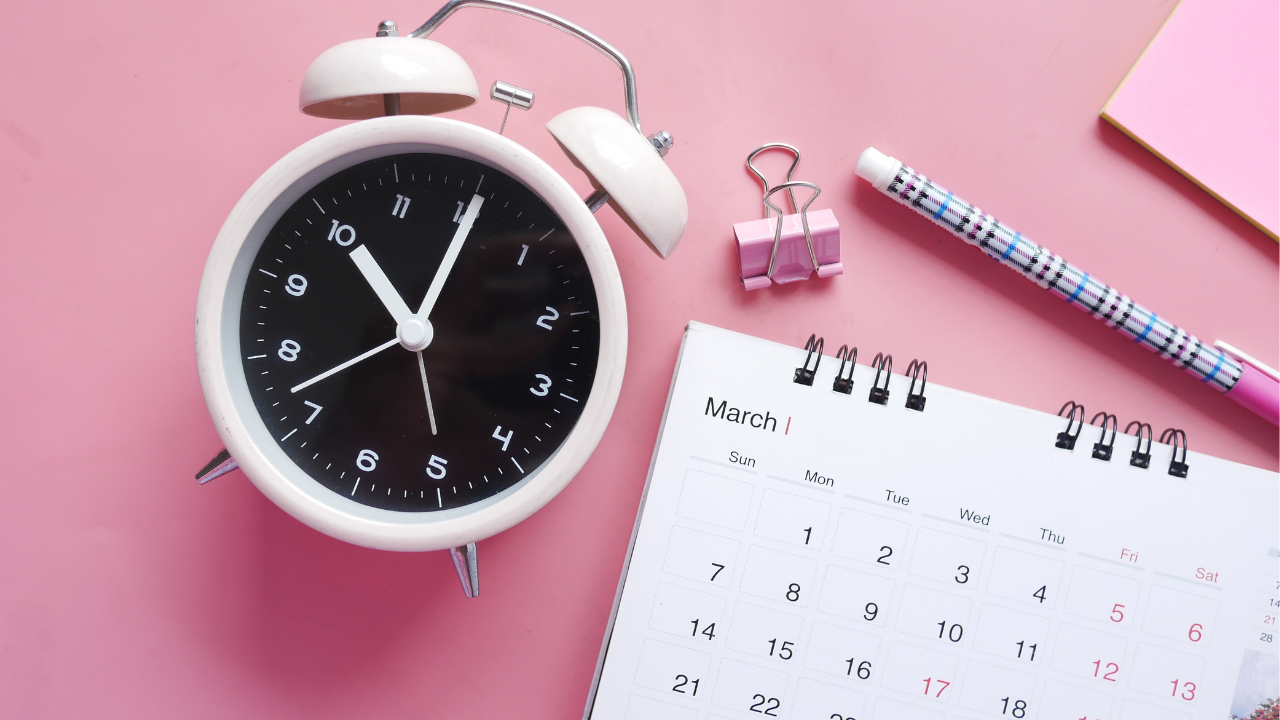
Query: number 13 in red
x=1188, y=690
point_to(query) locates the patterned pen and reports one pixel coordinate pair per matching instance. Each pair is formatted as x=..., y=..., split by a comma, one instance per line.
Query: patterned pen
x=1242, y=382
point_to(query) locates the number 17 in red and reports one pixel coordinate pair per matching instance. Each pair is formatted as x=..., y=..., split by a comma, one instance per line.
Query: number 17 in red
x=942, y=685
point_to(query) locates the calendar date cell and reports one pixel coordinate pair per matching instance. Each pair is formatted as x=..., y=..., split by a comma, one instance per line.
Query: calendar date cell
x=640, y=707
x=701, y=557
x=1069, y=702
x=920, y=672
x=842, y=652
x=895, y=710
x=948, y=558
x=821, y=701
x=871, y=539
x=997, y=691
x=751, y=689
x=792, y=519
x=1102, y=596
x=1180, y=616
x=1025, y=577
x=1091, y=654
x=932, y=614
x=1134, y=710
x=1167, y=673
x=673, y=670
x=1012, y=635
x=855, y=595
x=765, y=633
x=778, y=576
x=687, y=613
x=715, y=500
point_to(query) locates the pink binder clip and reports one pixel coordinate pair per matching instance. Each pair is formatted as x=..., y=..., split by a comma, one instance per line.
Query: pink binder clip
x=792, y=246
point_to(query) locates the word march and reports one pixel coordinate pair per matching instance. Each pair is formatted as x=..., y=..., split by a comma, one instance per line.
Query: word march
x=742, y=417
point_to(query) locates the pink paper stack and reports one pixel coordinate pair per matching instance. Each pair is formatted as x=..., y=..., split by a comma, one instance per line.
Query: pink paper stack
x=1205, y=98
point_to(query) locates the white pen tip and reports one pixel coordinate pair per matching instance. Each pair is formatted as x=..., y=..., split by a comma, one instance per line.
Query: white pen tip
x=876, y=168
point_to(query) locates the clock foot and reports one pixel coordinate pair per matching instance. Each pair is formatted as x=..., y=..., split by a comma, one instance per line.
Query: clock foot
x=220, y=465
x=465, y=562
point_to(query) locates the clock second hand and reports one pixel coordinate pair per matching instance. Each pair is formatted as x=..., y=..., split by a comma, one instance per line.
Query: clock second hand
x=437, y=284
x=431, y=413
x=345, y=365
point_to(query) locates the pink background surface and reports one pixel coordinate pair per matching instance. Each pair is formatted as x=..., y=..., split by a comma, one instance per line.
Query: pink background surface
x=1206, y=95
x=128, y=130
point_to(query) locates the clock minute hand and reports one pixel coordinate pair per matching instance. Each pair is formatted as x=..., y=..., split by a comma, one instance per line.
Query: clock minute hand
x=381, y=285
x=450, y=256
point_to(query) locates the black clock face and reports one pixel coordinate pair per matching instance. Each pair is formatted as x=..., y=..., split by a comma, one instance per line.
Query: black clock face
x=419, y=332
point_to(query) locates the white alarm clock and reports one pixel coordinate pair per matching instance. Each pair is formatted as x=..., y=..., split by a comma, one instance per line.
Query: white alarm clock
x=411, y=331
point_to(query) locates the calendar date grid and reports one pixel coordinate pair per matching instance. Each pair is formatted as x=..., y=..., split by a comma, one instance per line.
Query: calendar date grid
x=778, y=560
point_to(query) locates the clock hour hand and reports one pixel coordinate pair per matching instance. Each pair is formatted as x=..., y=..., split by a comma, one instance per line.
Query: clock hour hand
x=381, y=285
x=450, y=256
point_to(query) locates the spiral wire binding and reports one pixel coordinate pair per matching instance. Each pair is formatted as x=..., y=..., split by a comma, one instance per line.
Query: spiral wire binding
x=1102, y=449
x=1178, y=439
x=804, y=376
x=848, y=356
x=1139, y=458
x=883, y=364
x=917, y=369
x=1067, y=439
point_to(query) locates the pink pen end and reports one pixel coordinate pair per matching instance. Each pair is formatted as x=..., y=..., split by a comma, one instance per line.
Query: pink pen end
x=1259, y=392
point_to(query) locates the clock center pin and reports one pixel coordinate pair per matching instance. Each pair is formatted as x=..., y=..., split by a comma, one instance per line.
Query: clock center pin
x=415, y=333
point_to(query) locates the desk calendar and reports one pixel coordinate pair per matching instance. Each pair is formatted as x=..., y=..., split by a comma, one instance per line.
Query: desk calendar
x=807, y=554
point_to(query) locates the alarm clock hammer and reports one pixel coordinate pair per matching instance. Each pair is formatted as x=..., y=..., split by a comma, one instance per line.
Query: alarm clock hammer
x=518, y=343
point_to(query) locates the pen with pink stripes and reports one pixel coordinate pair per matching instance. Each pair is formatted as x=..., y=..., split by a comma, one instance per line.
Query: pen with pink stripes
x=1247, y=384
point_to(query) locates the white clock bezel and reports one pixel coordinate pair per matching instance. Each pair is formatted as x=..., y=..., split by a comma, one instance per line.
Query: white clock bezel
x=218, y=355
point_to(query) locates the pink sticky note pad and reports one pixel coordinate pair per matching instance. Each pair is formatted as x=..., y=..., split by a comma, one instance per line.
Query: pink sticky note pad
x=1205, y=97
x=755, y=245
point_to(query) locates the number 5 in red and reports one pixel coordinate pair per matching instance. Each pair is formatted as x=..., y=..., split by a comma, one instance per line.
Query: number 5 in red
x=1117, y=613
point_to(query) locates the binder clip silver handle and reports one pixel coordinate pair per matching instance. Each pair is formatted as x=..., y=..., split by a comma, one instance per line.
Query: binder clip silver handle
x=763, y=263
x=790, y=186
x=775, y=146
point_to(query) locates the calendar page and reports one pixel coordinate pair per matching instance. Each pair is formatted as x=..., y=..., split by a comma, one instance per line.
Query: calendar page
x=810, y=555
